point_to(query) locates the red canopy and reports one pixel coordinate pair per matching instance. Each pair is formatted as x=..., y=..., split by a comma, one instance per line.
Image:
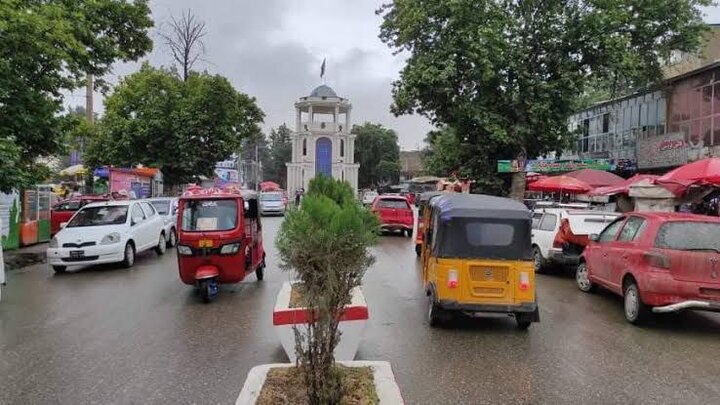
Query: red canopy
x=624, y=187
x=705, y=171
x=561, y=184
x=269, y=186
x=596, y=178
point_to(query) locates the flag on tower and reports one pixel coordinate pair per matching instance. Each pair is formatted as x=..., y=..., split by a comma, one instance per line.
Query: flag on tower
x=322, y=69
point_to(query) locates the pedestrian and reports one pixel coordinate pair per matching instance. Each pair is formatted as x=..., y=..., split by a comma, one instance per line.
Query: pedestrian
x=297, y=197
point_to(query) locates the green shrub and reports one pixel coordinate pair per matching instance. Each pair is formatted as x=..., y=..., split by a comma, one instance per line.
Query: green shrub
x=326, y=243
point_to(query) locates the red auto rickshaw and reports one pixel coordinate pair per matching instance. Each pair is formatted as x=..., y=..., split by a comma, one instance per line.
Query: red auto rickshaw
x=219, y=239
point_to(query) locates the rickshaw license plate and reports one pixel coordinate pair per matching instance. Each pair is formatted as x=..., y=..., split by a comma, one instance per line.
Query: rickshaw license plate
x=77, y=253
x=205, y=243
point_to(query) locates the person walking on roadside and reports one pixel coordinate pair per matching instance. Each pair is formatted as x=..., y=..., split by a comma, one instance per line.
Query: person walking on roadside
x=297, y=197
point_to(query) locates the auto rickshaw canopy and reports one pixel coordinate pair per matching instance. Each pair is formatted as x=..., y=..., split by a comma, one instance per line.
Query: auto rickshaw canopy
x=480, y=226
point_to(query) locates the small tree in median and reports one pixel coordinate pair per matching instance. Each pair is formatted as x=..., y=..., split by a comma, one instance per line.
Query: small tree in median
x=326, y=242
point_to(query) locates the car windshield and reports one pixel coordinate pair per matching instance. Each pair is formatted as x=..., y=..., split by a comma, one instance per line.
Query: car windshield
x=209, y=215
x=98, y=216
x=689, y=236
x=270, y=197
x=162, y=206
x=393, y=203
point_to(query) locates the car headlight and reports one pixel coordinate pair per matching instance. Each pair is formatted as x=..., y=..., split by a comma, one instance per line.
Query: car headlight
x=230, y=249
x=53, y=242
x=184, y=250
x=111, y=238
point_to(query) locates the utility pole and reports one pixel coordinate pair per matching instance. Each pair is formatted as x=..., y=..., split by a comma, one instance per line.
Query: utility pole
x=89, y=99
x=257, y=168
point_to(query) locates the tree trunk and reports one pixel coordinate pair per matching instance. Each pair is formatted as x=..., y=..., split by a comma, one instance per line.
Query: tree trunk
x=517, y=188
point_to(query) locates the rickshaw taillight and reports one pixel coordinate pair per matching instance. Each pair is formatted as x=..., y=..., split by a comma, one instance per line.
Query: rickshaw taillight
x=524, y=281
x=452, y=279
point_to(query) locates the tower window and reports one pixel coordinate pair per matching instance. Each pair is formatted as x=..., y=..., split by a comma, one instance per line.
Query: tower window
x=342, y=148
x=304, y=146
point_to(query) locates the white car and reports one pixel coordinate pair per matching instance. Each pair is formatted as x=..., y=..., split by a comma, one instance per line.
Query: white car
x=369, y=197
x=107, y=232
x=167, y=208
x=559, y=235
x=272, y=202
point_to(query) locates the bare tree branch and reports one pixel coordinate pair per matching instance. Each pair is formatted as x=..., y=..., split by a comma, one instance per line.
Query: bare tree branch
x=185, y=41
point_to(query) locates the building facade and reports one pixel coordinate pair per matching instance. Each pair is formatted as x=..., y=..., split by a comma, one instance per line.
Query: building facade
x=321, y=142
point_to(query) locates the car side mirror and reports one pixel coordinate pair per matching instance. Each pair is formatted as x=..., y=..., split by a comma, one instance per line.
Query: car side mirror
x=63, y=225
x=594, y=237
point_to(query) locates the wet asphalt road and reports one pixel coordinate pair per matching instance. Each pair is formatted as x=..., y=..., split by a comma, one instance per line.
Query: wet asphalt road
x=109, y=335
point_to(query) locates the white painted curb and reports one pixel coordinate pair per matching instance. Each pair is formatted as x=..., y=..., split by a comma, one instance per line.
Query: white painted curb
x=351, y=332
x=387, y=389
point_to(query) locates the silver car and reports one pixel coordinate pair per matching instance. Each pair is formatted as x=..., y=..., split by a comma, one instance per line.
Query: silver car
x=167, y=208
x=272, y=203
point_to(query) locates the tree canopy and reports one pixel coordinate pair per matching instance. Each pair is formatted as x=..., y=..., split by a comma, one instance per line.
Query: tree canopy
x=280, y=153
x=378, y=153
x=155, y=118
x=47, y=48
x=505, y=74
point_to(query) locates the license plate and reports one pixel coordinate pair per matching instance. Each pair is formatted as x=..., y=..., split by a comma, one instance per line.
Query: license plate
x=205, y=243
x=77, y=253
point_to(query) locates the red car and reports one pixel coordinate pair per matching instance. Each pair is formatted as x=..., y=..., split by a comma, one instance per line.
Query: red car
x=62, y=212
x=658, y=261
x=395, y=213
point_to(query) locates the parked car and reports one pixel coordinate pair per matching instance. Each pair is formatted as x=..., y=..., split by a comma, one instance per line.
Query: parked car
x=658, y=262
x=63, y=211
x=395, y=213
x=369, y=197
x=167, y=208
x=559, y=235
x=107, y=232
x=272, y=202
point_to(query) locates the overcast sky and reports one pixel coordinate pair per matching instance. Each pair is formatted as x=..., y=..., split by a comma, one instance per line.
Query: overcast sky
x=272, y=50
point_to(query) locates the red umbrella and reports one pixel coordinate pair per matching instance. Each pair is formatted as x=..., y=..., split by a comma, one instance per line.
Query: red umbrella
x=624, y=187
x=596, y=178
x=705, y=171
x=269, y=185
x=561, y=184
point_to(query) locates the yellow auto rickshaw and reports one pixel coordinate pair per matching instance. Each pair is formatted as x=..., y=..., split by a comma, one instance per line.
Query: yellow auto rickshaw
x=477, y=258
x=422, y=204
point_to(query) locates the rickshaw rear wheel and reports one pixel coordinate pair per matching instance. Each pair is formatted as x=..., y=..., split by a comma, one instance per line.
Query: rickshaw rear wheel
x=523, y=321
x=436, y=315
x=418, y=250
x=205, y=289
x=260, y=272
x=408, y=232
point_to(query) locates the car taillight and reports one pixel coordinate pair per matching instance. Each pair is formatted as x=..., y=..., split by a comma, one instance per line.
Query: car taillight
x=524, y=281
x=452, y=279
x=657, y=259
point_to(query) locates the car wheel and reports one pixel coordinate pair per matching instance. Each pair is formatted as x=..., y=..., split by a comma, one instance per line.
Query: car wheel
x=436, y=315
x=172, y=240
x=538, y=261
x=129, y=256
x=59, y=269
x=418, y=250
x=161, y=246
x=582, y=278
x=636, y=312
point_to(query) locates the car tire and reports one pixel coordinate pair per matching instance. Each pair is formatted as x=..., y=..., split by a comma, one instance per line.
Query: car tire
x=59, y=269
x=172, y=240
x=436, y=316
x=408, y=232
x=582, y=278
x=260, y=272
x=129, y=256
x=539, y=262
x=418, y=250
x=636, y=311
x=161, y=247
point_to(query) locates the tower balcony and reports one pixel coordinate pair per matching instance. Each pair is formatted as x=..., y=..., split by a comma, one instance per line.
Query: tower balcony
x=323, y=127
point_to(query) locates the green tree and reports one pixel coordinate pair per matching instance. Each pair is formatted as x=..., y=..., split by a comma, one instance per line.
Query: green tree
x=280, y=153
x=47, y=48
x=182, y=127
x=326, y=243
x=378, y=153
x=505, y=74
